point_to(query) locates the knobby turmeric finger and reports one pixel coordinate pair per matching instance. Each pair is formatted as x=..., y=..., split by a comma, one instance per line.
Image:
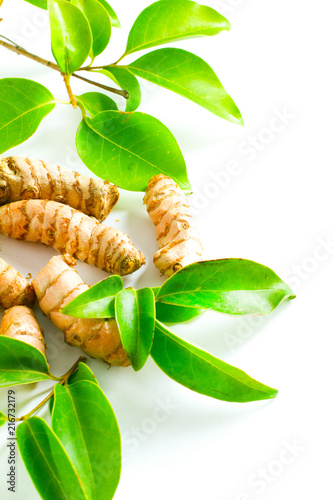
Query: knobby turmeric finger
x=15, y=290
x=20, y=323
x=59, y=283
x=70, y=231
x=176, y=231
x=22, y=179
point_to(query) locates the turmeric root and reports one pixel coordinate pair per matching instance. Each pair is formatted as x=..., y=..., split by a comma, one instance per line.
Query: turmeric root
x=15, y=290
x=19, y=322
x=22, y=179
x=70, y=231
x=176, y=231
x=59, y=283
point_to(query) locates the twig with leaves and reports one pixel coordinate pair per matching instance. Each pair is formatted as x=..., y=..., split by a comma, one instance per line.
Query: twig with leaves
x=82, y=29
x=79, y=455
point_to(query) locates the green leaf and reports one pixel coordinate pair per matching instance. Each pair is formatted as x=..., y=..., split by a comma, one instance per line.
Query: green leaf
x=169, y=20
x=135, y=316
x=114, y=19
x=20, y=363
x=100, y=24
x=86, y=425
x=129, y=149
x=3, y=419
x=190, y=76
x=24, y=103
x=168, y=313
x=47, y=463
x=230, y=286
x=38, y=3
x=71, y=38
x=83, y=372
x=126, y=81
x=203, y=373
x=95, y=102
x=97, y=302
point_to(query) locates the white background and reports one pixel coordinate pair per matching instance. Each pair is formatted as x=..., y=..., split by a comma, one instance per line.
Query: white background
x=276, y=209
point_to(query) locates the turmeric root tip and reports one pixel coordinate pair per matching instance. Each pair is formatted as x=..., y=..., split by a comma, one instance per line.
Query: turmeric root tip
x=22, y=179
x=70, y=231
x=59, y=283
x=176, y=231
x=15, y=290
x=20, y=323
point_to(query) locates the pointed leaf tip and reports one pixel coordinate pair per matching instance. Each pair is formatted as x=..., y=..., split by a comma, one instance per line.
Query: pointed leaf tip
x=203, y=373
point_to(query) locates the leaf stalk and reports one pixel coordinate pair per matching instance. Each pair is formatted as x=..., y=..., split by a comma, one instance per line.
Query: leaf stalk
x=69, y=90
x=63, y=381
x=21, y=51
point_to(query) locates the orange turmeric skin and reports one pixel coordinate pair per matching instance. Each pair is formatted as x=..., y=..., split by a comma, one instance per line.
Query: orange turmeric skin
x=20, y=323
x=14, y=288
x=176, y=231
x=22, y=179
x=70, y=231
x=55, y=286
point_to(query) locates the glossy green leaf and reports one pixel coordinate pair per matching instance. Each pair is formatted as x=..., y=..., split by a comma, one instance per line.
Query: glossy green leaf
x=100, y=24
x=230, y=286
x=47, y=462
x=129, y=149
x=114, y=19
x=170, y=314
x=24, y=103
x=169, y=20
x=126, y=81
x=95, y=102
x=97, y=302
x=83, y=372
x=190, y=76
x=38, y=3
x=71, y=38
x=135, y=316
x=203, y=373
x=3, y=419
x=86, y=425
x=20, y=363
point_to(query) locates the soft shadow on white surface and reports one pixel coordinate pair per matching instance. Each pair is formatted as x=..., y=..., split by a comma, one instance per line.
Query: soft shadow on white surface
x=277, y=210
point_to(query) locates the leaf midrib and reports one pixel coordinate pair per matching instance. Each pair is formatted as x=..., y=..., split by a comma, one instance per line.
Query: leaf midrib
x=184, y=89
x=48, y=465
x=160, y=41
x=131, y=152
x=178, y=341
x=25, y=113
x=220, y=291
x=83, y=439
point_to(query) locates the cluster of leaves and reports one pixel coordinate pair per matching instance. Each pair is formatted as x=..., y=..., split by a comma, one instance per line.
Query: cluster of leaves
x=79, y=455
x=125, y=148
x=230, y=286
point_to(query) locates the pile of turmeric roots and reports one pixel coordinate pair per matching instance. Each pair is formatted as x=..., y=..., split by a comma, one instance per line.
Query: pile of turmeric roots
x=45, y=203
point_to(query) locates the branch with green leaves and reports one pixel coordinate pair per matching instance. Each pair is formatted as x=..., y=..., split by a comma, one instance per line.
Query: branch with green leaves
x=81, y=31
x=236, y=287
x=84, y=432
x=79, y=455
